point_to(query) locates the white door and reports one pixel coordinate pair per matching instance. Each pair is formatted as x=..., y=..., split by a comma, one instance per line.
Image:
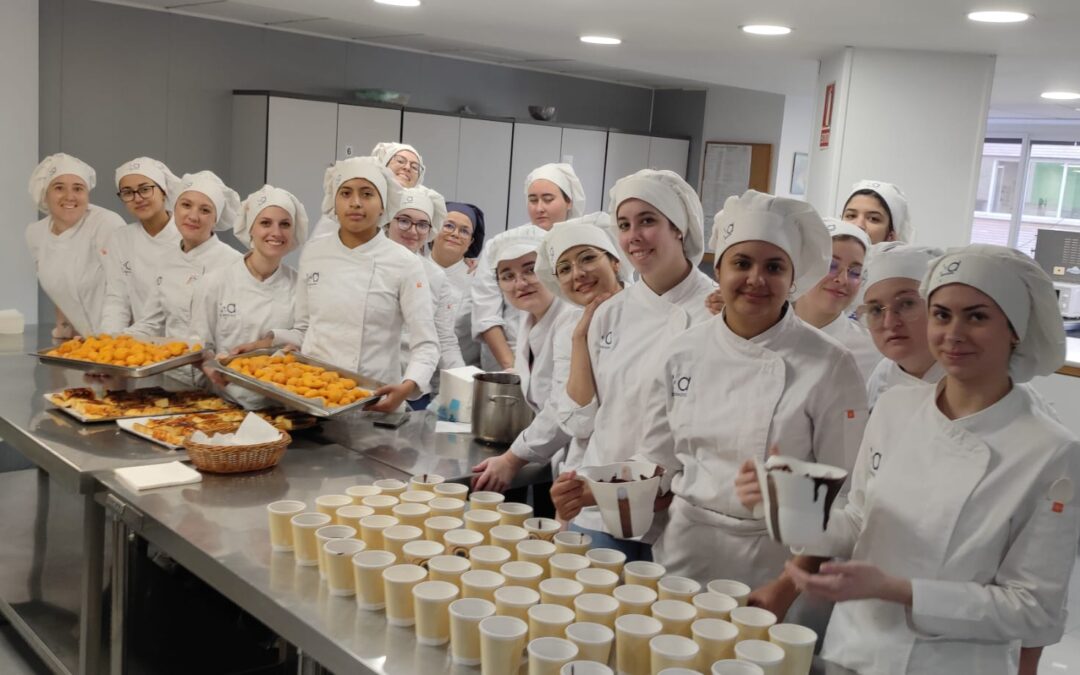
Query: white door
x=669, y=153
x=484, y=169
x=626, y=153
x=584, y=149
x=360, y=128
x=436, y=137
x=534, y=145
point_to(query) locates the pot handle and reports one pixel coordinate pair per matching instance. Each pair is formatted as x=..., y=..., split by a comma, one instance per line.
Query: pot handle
x=494, y=398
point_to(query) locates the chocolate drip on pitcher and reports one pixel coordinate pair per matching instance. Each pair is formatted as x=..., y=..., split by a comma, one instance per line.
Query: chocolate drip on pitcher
x=832, y=490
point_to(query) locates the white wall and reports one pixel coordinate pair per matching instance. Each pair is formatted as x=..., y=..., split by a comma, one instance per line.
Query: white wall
x=19, y=138
x=746, y=116
x=798, y=125
x=821, y=187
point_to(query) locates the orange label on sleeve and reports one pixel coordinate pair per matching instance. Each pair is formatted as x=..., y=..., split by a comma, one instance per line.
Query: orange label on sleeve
x=1058, y=507
x=851, y=414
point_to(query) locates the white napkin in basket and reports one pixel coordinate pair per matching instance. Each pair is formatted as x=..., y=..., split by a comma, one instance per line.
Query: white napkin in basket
x=152, y=476
x=254, y=430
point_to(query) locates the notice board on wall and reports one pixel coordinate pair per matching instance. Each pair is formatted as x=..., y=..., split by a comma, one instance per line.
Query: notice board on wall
x=729, y=169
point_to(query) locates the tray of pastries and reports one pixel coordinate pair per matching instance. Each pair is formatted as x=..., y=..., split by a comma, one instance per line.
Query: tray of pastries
x=86, y=405
x=172, y=431
x=122, y=355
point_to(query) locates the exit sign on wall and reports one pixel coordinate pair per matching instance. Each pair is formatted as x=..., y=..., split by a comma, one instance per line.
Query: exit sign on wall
x=826, y=115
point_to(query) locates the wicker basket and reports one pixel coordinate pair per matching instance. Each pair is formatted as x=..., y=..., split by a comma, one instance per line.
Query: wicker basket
x=237, y=458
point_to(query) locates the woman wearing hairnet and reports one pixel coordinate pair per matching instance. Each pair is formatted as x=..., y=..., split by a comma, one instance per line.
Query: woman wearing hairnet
x=961, y=525
x=880, y=209
x=69, y=245
x=660, y=231
x=147, y=187
x=554, y=194
x=458, y=240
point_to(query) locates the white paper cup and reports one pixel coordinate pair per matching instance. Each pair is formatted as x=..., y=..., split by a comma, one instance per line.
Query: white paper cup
x=481, y=584
x=460, y=542
x=679, y=671
x=507, y=536
x=465, y=617
x=632, y=635
x=489, y=558
x=358, y=492
x=560, y=592
x=634, y=599
x=596, y=580
x=677, y=588
x=798, y=644
x=396, y=536
x=352, y=514
x=572, y=542
x=481, y=520
x=305, y=545
x=398, y=583
x=541, y=528
x=766, y=655
x=643, y=573
x=753, y=622
x=549, y=620
x=338, y=554
x=607, y=558
x=329, y=504
x=411, y=514
x=714, y=605
x=514, y=513
x=593, y=640
x=729, y=587
x=580, y=667
x=567, y=565
x=547, y=655
x=515, y=601
x=431, y=606
x=456, y=490
x=325, y=534
x=448, y=568
x=436, y=527
x=426, y=481
x=419, y=552
x=672, y=651
x=520, y=573
x=596, y=608
x=280, y=513
x=391, y=486
x=416, y=497
x=736, y=667
x=485, y=500
x=716, y=638
x=368, y=566
x=537, y=551
x=372, y=527
x=382, y=504
x=502, y=639
x=448, y=506
x=676, y=616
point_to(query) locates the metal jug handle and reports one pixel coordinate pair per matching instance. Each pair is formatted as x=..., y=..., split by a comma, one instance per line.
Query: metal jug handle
x=494, y=398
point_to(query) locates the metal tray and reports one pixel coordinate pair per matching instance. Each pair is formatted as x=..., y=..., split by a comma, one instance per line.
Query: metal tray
x=123, y=371
x=75, y=414
x=128, y=425
x=287, y=398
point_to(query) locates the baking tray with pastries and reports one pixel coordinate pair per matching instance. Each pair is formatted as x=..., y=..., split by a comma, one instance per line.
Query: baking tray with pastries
x=174, y=430
x=86, y=405
x=122, y=355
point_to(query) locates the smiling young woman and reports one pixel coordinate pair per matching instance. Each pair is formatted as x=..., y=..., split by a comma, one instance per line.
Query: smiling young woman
x=880, y=209
x=457, y=244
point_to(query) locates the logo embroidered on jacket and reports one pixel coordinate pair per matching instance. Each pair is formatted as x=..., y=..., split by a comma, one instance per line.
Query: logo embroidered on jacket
x=951, y=268
x=312, y=278
x=680, y=385
x=125, y=267
x=607, y=340
x=227, y=309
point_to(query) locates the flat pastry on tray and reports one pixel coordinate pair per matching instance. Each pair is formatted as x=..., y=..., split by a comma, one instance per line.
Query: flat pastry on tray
x=138, y=403
x=176, y=430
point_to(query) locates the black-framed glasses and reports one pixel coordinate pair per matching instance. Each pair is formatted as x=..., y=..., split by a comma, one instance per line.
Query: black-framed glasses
x=144, y=191
x=406, y=223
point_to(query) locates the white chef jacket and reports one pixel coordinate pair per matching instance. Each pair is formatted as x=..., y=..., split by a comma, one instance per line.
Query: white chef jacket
x=628, y=332
x=71, y=266
x=888, y=374
x=961, y=508
x=445, y=299
x=850, y=333
x=541, y=375
x=132, y=269
x=489, y=309
x=351, y=305
x=718, y=400
x=461, y=279
x=324, y=227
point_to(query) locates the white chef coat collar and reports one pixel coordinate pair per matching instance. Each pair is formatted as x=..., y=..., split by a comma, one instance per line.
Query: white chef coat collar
x=765, y=339
x=71, y=231
x=268, y=280
x=988, y=420
x=367, y=247
x=549, y=317
x=675, y=295
x=201, y=249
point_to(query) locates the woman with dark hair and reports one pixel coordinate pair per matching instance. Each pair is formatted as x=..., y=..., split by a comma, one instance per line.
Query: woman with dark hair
x=458, y=241
x=879, y=209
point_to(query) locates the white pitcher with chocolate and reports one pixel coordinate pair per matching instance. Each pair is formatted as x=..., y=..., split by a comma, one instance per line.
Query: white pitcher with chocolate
x=797, y=498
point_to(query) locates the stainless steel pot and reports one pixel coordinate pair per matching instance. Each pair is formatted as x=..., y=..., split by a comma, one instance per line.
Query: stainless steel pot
x=499, y=410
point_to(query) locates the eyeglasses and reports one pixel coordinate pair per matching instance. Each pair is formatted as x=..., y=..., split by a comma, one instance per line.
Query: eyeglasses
x=854, y=274
x=906, y=309
x=450, y=228
x=144, y=191
x=397, y=160
x=586, y=262
x=509, y=278
x=406, y=223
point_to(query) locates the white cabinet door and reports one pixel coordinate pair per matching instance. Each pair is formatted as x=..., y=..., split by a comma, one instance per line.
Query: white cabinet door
x=584, y=149
x=436, y=137
x=669, y=153
x=484, y=169
x=533, y=145
x=359, y=128
x=626, y=153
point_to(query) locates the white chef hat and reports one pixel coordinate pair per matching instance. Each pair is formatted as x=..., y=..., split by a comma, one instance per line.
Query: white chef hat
x=790, y=224
x=265, y=196
x=895, y=259
x=593, y=229
x=371, y=170
x=1022, y=290
x=386, y=150
x=426, y=200
x=895, y=200
x=52, y=166
x=838, y=228
x=155, y=171
x=562, y=175
x=515, y=243
x=225, y=199
x=667, y=192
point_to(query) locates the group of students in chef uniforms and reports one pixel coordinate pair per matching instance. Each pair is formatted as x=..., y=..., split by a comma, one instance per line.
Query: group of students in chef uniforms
x=958, y=531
